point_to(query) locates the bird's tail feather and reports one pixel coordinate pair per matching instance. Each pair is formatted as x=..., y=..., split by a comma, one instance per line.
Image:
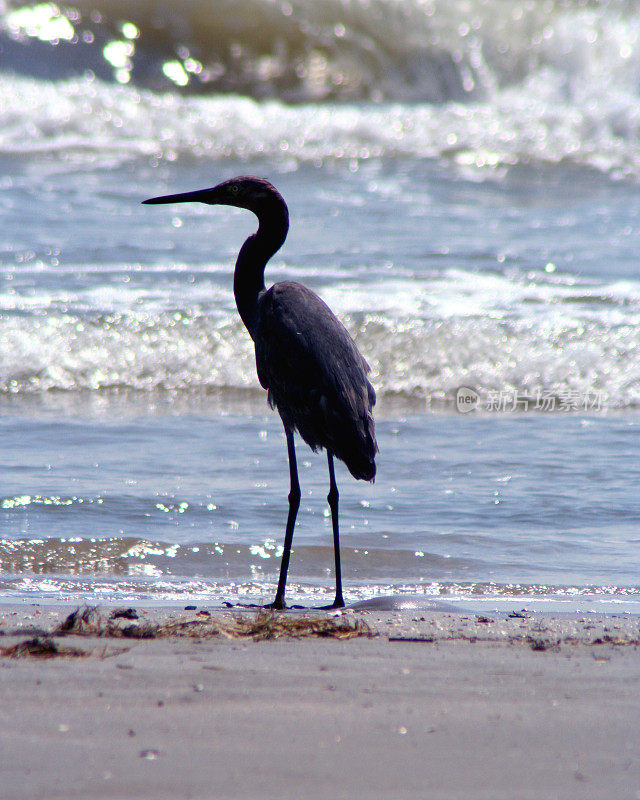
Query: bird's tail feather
x=355, y=445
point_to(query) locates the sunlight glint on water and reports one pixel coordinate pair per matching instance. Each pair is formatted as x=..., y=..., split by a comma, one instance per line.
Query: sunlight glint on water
x=465, y=198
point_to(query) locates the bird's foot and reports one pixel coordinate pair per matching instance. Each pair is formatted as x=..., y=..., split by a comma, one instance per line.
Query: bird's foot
x=276, y=605
x=280, y=605
x=337, y=603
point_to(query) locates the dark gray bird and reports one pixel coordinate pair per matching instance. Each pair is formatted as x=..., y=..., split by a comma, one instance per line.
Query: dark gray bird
x=306, y=360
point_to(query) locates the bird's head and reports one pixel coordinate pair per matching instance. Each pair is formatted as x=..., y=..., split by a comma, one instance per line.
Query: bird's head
x=254, y=194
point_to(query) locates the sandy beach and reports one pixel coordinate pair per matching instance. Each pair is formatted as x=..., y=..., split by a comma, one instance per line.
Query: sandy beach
x=421, y=704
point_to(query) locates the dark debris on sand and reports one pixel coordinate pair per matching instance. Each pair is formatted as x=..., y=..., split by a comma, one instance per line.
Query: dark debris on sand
x=41, y=647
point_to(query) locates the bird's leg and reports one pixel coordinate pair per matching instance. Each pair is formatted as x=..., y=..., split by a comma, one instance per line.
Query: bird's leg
x=294, y=504
x=333, y=497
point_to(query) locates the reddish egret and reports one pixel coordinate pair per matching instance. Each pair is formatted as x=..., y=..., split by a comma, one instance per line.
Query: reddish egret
x=306, y=359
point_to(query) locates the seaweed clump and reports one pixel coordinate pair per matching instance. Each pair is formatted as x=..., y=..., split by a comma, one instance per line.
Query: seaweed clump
x=261, y=625
x=41, y=647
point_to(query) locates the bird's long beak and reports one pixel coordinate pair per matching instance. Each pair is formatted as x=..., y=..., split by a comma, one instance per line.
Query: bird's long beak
x=199, y=196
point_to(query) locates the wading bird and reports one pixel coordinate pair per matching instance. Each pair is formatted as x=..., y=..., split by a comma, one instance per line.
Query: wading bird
x=306, y=359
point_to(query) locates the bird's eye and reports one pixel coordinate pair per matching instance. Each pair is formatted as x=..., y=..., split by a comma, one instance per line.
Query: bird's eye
x=234, y=189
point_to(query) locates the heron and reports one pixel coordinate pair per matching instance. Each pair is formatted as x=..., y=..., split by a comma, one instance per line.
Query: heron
x=306, y=359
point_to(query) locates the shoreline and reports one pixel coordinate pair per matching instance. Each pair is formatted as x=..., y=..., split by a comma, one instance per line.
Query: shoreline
x=436, y=704
x=434, y=622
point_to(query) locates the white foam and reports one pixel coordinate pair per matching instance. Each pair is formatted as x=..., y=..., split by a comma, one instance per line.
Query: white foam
x=422, y=337
x=80, y=121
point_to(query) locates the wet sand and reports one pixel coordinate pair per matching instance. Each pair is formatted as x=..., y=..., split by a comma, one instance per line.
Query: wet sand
x=436, y=704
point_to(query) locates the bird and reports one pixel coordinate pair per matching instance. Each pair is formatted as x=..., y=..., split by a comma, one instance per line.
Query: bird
x=306, y=359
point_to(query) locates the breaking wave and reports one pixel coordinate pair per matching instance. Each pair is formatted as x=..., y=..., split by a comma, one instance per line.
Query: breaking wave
x=496, y=332
x=480, y=82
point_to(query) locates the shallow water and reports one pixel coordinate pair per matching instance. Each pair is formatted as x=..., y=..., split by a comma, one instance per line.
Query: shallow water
x=191, y=498
x=483, y=237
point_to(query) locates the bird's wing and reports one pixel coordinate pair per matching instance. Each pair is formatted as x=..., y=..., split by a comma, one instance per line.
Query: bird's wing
x=304, y=352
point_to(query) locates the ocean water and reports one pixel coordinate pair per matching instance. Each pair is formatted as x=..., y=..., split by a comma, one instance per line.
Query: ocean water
x=462, y=180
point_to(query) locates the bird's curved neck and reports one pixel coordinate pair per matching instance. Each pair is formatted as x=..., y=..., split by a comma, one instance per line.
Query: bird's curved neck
x=248, y=280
